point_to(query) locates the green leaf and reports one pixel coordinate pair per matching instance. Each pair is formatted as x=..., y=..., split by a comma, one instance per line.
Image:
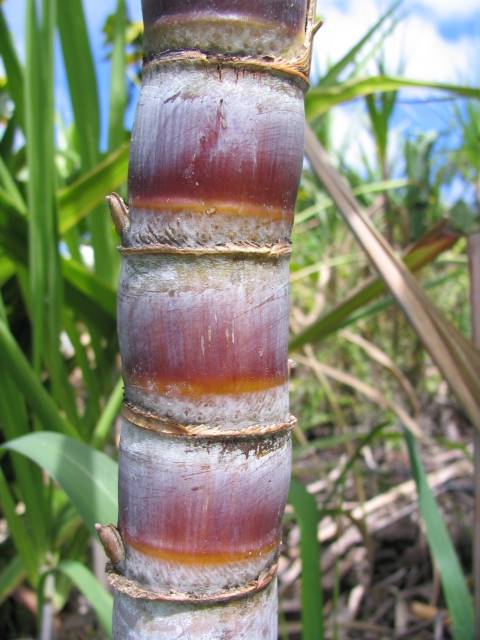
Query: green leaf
x=90, y=285
x=7, y=269
x=321, y=99
x=87, y=309
x=386, y=301
x=87, y=476
x=11, y=577
x=465, y=218
x=456, y=357
x=82, y=196
x=93, y=591
x=83, y=89
x=30, y=386
x=11, y=189
x=45, y=282
x=82, y=82
x=456, y=593
x=439, y=239
x=364, y=189
x=328, y=442
x=109, y=413
x=18, y=531
x=118, y=89
x=334, y=71
x=14, y=422
x=87, y=296
x=13, y=69
x=312, y=599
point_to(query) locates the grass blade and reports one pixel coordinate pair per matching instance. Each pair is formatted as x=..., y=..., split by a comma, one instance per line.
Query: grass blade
x=45, y=283
x=455, y=356
x=89, y=373
x=82, y=82
x=312, y=600
x=364, y=189
x=18, y=531
x=93, y=591
x=14, y=422
x=83, y=290
x=7, y=270
x=13, y=69
x=11, y=189
x=86, y=309
x=11, y=577
x=110, y=412
x=118, y=92
x=334, y=71
x=28, y=383
x=321, y=99
x=423, y=252
x=78, y=199
x=88, y=477
x=82, y=196
x=455, y=589
x=87, y=283
x=84, y=93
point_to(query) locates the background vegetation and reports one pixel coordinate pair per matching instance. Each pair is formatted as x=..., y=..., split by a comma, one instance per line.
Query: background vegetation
x=373, y=406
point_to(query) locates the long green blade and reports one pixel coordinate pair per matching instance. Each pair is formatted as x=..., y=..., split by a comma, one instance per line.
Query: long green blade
x=457, y=359
x=82, y=82
x=85, y=194
x=349, y=57
x=83, y=90
x=88, y=284
x=118, y=89
x=11, y=577
x=87, y=476
x=15, y=422
x=13, y=68
x=423, y=252
x=109, y=413
x=456, y=593
x=45, y=283
x=29, y=384
x=94, y=592
x=18, y=531
x=312, y=600
x=321, y=99
x=78, y=199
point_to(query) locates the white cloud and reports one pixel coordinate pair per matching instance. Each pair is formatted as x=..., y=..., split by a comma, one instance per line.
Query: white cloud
x=350, y=136
x=427, y=54
x=458, y=10
x=417, y=45
x=416, y=49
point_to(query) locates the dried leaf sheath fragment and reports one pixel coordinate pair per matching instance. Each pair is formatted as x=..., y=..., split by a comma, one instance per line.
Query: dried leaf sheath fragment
x=203, y=318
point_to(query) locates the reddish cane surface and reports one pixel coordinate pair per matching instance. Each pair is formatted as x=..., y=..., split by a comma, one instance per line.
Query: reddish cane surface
x=200, y=342
x=290, y=14
x=199, y=513
x=226, y=151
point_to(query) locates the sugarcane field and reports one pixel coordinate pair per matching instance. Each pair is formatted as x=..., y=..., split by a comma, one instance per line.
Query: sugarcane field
x=239, y=320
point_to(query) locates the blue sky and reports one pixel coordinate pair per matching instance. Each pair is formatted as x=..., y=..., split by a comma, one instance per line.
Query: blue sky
x=436, y=40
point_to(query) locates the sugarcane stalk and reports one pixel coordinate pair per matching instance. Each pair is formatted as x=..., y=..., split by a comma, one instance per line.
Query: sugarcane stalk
x=205, y=447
